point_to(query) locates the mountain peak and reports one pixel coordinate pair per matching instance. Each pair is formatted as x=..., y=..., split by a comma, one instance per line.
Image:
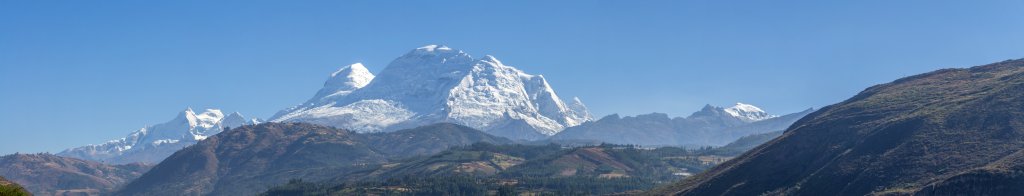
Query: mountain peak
x=436, y=83
x=153, y=143
x=579, y=109
x=748, y=112
x=344, y=81
x=436, y=50
x=430, y=59
x=352, y=76
x=187, y=113
x=211, y=114
x=741, y=111
x=489, y=58
x=353, y=70
x=709, y=107
x=742, y=107
x=233, y=120
x=433, y=47
x=188, y=116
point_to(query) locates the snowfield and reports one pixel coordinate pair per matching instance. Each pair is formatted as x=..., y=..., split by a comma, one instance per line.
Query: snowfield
x=434, y=84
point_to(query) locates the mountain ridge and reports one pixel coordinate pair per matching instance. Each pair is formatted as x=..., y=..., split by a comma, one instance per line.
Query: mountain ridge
x=711, y=126
x=950, y=131
x=244, y=160
x=48, y=174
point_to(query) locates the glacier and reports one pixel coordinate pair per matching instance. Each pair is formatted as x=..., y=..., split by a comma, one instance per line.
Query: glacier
x=434, y=84
x=151, y=144
x=747, y=112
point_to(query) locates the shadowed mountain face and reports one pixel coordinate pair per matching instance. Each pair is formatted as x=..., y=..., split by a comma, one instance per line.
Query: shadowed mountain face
x=47, y=174
x=746, y=143
x=952, y=131
x=484, y=160
x=487, y=169
x=249, y=159
x=239, y=161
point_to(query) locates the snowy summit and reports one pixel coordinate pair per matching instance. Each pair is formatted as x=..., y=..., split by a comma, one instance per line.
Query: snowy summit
x=152, y=144
x=748, y=112
x=433, y=84
x=344, y=81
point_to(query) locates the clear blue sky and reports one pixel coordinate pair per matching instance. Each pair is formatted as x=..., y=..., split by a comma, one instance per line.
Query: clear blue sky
x=80, y=72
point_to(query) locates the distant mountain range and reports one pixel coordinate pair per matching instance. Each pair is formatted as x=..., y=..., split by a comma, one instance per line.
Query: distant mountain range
x=947, y=132
x=438, y=84
x=435, y=84
x=152, y=144
x=711, y=126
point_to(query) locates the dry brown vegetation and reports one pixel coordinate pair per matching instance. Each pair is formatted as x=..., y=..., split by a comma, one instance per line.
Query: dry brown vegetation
x=945, y=132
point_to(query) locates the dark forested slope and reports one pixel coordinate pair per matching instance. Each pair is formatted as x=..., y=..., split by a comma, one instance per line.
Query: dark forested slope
x=248, y=159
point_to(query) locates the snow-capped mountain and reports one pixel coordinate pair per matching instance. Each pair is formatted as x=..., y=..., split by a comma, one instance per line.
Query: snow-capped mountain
x=151, y=144
x=747, y=112
x=343, y=82
x=433, y=84
x=236, y=119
